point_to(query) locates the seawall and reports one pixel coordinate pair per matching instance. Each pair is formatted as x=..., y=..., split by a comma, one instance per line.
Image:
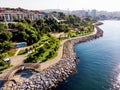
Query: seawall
x=51, y=76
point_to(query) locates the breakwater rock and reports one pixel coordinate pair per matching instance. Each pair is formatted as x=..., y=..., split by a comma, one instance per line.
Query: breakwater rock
x=51, y=77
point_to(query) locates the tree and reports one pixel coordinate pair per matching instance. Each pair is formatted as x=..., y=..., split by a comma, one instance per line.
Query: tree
x=50, y=21
x=6, y=45
x=40, y=22
x=47, y=28
x=2, y=63
x=3, y=26
x=5, y=36
x=21, y=26
x=22, y=20
x=33, y=38
x=12, y=25
x=61, y=15
x=22, y=36
x=29, y=21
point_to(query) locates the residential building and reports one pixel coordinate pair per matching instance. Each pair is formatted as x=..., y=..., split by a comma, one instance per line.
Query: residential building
x=93, y=13
x=12, y=15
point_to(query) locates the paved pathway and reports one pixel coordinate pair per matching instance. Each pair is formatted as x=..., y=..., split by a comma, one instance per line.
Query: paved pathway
x=16, y=53
x=49, y=63
x=18, y=59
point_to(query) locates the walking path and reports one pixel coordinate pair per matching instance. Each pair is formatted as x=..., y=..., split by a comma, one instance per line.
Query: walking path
x=18, y=59
x=49, y=63
x=16, y=53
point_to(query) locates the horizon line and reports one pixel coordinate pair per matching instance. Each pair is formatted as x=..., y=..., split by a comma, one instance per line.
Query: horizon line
x=60, y=9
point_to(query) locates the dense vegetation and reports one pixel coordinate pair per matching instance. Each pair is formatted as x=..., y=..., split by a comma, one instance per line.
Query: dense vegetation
x=43, y=50
x=5, y=44
x=43, y=45
x=3, y=65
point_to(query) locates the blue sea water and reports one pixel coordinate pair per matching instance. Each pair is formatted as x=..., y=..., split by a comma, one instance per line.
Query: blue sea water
x=98, y=67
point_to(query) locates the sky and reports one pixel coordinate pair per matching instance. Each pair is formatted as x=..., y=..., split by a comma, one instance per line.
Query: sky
x=107, y=5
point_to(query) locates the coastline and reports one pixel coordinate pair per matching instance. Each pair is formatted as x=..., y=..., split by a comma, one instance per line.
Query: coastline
x=49, y=63
x=57, y=70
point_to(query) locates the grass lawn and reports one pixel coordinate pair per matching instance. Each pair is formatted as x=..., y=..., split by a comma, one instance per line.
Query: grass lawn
x=21, y=52
x=11, y=52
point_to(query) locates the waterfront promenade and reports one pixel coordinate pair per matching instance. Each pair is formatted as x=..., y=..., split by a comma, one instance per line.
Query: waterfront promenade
x=49, y=63
x=59, y=68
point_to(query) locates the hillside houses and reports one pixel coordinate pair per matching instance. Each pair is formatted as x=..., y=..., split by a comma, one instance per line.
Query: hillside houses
x=11, y=15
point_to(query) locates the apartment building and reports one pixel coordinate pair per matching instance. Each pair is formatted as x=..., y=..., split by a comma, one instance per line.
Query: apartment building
x=12, y=15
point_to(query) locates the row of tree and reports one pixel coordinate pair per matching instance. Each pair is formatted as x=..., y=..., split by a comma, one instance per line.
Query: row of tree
x=45, y=51
x=5, y=37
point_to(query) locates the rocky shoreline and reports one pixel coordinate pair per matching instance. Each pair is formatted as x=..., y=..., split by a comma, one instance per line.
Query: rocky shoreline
x=51, y=77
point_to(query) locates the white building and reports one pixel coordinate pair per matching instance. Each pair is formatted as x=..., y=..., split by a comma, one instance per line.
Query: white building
x=93, y=13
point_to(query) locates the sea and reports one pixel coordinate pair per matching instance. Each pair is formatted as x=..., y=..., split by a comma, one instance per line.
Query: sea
x=98, y=66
